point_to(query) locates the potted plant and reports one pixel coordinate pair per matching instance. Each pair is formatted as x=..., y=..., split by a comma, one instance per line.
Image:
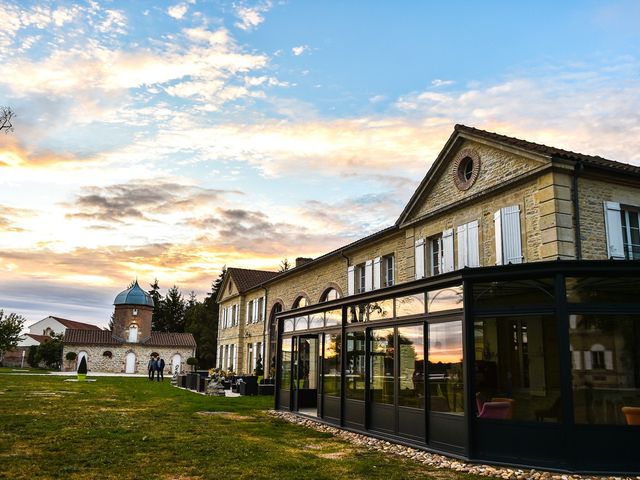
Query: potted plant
x=82, y=369
x=193, y=361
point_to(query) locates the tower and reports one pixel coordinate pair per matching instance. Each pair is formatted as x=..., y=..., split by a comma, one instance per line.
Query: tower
x=132, y=316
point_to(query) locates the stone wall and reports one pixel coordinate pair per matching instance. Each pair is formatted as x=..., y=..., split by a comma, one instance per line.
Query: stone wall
x=97, y=362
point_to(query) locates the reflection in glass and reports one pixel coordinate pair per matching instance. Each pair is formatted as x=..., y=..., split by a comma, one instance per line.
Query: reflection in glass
x=449, y=298
x=302, y=323
x=517, y=366
x=285, y=365
x=410, y=305
x=382, y=366
x=380, y=310
x=288, y=325
x=602, y=290
x=355, y=365
x=411, y=372
x=605, y=368
x=446, y=392
x=333, y=318
x=331, y=365
x=307, y=363
x=514, y=292
x=357, y=313
x=316, y=320
x=330, y=294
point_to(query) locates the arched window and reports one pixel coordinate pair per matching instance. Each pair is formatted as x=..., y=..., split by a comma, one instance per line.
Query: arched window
x=330, y=294
x=133, y=333
x=300, y=302
x=107, y=354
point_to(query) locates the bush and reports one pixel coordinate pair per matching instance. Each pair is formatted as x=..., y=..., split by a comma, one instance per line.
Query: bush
x=193, y=361
x=31, y=357
x=71, y=356
x=82, y=368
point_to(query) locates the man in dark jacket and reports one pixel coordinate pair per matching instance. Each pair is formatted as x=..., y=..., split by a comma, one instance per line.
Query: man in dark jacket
x=160, y=367
x=151, y=366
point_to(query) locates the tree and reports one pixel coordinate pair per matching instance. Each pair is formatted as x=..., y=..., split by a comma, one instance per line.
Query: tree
x=284, y=265
x=31, y=356
x=10, y=328
x=192, y=299
x=171, y=312
x=157, y=300
x=112, y=321
x=6, y=115
x=50, y=352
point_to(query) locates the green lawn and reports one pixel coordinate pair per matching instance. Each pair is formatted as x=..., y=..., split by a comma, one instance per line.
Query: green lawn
x=132, y=428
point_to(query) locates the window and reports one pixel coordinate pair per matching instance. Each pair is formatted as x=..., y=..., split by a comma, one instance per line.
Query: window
x=508, y=239
x=107, y=354
x=300, y=302
x=355, y=366
x=468, y=249
x=446, y=390
x=260, y=308
x=331, y=378
x=435, y=254
x=250, y=364
x=361, y=276
x=330, y=294
x=250, y=312
x=597, y=359
x=388, y=266
x=631, y=233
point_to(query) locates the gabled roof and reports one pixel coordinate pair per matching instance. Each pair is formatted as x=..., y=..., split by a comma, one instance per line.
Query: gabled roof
x=550, y=153
x=246, y=279
x=76, y=325
x=90, y=337
x=38, y=338
x=167, y=339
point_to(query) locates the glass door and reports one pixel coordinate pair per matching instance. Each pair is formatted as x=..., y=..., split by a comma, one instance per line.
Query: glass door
x=305, y=374
x=411, y=384
x=382, y=391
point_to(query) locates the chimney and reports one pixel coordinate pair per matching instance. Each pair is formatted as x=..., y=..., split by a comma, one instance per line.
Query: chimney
x=302, y=261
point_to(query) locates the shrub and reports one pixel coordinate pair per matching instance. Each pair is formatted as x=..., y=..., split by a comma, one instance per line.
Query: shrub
x=193, y=361
x=82, y=368
x=71, y=356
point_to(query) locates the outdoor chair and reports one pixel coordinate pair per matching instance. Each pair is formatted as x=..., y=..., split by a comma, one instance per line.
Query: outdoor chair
x=496, y=410
x=510, y=401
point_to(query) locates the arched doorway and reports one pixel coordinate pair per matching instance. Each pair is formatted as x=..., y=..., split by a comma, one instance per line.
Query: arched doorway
x=81, y=354
x=133, y=333
x=175, y=362
x=130, y=363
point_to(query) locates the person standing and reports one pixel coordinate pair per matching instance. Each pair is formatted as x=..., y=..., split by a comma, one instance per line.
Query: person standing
x=151, y=366
x=160, y=365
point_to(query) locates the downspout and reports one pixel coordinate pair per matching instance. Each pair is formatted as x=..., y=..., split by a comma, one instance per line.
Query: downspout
x=576, y=208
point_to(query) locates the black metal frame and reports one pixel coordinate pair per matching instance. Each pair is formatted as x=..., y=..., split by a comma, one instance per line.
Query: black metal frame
x=570, y=438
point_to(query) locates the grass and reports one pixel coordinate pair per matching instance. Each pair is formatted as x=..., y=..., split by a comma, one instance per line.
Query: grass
x=130, y=428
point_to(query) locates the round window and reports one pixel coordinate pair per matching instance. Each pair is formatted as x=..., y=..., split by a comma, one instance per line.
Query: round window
x=466, y=168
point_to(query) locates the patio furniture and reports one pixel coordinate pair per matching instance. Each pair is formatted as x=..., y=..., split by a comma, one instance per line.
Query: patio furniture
x=496, y=410
x=510, y=401
x=632, y=414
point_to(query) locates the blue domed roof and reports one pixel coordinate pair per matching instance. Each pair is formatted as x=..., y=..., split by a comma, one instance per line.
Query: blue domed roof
x=134, y=296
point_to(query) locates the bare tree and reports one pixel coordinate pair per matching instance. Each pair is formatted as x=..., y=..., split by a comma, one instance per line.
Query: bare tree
x=6, y=114
x=284, y=265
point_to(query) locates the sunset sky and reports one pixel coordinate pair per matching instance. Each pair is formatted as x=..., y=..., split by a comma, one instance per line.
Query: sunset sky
x=165, y=140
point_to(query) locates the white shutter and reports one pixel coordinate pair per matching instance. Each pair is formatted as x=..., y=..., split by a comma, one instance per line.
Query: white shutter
x=462, y=246
x=376, y=272
x=587, y=361
x=447, y=251
x=368, y=276
x=511, y=240
x=351, y=281
x=577, y=360
x=419, y=258
x=497, y=220
x=613, y=224
x=255, y=310
x=473, y=245
x=263, y=303
x=248, y=307
x=608, y=359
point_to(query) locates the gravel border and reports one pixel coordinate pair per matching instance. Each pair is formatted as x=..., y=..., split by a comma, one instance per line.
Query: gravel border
x=432, y=459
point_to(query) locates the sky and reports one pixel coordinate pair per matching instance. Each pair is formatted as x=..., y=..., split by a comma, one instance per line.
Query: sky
x=165, y=140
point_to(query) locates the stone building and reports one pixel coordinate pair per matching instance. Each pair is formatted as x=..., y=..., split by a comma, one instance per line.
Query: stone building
x=129, y=345
x=496, y=320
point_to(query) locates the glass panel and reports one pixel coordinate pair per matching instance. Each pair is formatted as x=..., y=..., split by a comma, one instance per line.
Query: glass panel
x=331, y=373
x=316, y=320
x=514, y=292
x=517, y=368
x=357, y=313
x=355, y=363
x=381, y=382
x=410, y=305
x=333, y=317
x=288, y=325
x=446, y=392
x=603, y=290
x=606, y=368
x=411, y=379
x=302, y=323
x=307, y=363
x=448, y=298
x=285, y=366
x=381, y=310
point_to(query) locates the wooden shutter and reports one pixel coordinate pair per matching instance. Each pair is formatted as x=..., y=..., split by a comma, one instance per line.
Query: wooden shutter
x=613, y=225
x=587, y=361
x=497, y=221
x=447, y=251
x=376, y=272
x=368, y=276
x=577, y=360
x=419, y=258
x=473, y=245
x=462, y=246
x=351, y=281
x=608, y=359
x=511, y=239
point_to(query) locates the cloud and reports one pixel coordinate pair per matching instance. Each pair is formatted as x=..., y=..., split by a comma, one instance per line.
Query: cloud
x=11, y=218
x=297, y=51
x=441, y=83
x=177, y=11
x=251, y=17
